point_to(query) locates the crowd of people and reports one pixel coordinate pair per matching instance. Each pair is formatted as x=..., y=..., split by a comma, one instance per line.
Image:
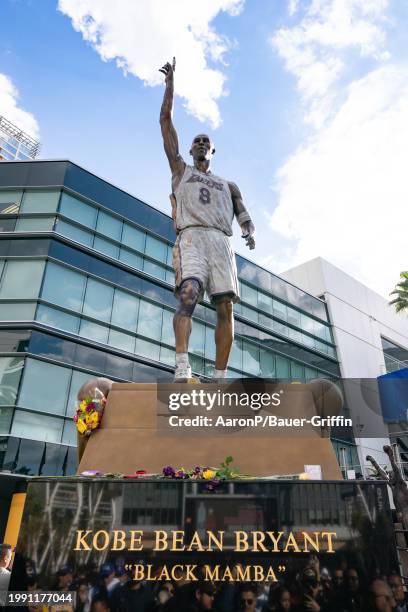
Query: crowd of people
x=342, y=588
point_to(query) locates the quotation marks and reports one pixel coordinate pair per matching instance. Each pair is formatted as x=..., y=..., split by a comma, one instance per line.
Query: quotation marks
x=282, y=568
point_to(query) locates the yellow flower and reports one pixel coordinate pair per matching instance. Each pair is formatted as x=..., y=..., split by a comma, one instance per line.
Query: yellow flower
x=81, y=426
x=209, y=474
x=92, y=419
x=83, y=404
x=304, y=476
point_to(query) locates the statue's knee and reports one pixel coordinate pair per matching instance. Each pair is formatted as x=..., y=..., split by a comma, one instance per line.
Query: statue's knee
x=189, y=294
x=224, y=310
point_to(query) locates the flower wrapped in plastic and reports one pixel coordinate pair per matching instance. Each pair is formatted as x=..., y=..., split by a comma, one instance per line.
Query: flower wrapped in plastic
x=89, y=413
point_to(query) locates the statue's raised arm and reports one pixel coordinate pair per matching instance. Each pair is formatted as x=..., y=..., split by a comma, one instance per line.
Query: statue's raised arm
x=170, y=140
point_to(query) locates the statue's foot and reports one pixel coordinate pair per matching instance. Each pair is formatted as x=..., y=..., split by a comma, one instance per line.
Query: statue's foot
x=183, y=374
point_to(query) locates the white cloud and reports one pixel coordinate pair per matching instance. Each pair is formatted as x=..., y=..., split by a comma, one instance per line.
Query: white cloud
x=10, y=109
x=142, y=35
x=315, y=50
x=342, y=195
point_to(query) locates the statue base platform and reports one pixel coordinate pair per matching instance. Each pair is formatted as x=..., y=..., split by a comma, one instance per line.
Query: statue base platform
x=133, y=436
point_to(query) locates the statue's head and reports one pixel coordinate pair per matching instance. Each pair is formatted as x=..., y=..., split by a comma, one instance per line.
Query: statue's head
x=202, y=148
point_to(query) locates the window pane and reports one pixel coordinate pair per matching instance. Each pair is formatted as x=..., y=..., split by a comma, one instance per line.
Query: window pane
x=57, y=318
x=167, y=356
x=250, y=358
x=167, y=328
x=249, y=295
x=74, y=233
x=169, y=255
x=235, y=360
x=170, y=277
x=125, y=310
x=22, y=279
x=17, y=312
x=297, y=370
x=282, y=367
x=268, y=367
x=293, y=316
x=147, y=349
x=40, y=201
x=10, y=374
x=125, y=342
x=154, y=269
x=279, y=310
x=29, y=457
x=10, y=201
x=7, y=225
x=109, y=225
x=106, y=247
x=36, y=426
x=249, y=313
x=6, y=415
x=209, y=342
x=156, y=248
x=310, y=373
x=133, y=237
x=150, y=320
x=265, y=302
x=307, y=324
x=78, y=210
x=44, y=387
x=197, y=339
x=98, y=300
x=131, y=259
x=93, y=331
x=63, y=286
x=34, y=225
x=69, y=435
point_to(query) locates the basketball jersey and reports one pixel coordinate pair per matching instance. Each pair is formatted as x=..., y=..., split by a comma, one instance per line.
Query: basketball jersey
x=203, y=200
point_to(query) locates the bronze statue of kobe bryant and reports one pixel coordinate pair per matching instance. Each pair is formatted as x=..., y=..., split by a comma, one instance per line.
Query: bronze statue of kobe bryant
x=203, y=208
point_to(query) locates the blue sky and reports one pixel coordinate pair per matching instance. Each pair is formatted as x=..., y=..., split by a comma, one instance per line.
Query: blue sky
x=306, y=101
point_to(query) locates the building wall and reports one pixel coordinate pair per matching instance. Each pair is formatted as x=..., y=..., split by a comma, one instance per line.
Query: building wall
x=360, y=317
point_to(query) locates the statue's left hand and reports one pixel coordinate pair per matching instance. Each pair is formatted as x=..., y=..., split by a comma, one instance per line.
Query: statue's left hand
x=248, y=234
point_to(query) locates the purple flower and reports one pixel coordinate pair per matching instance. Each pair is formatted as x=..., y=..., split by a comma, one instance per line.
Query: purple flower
x=180, y=474
x=213, y=484
x=169, y=472
x=197, y=471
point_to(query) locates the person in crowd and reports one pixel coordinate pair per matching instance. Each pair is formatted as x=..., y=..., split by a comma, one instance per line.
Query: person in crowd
x=353, y=591
x=310, y=592
x=164, y=592
x=380, y=597
x=135, y=595
x=6, y=553
x=65, y=578
x=279, y=600
x=83, y=601
x=203, y=596
x=338, y=579
x=397, y=588
x=100, y=604
x=247, y=598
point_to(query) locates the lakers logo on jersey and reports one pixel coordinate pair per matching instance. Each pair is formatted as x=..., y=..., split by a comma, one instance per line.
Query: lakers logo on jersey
x=203, y=201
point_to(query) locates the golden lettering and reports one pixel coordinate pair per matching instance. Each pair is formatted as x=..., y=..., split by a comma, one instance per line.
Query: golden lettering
x=161, y=540
x=80, y=542
x=329, y=535
x=136, y=540
x=212, y=539
x=119, y=538
x=212, y=573
x=195, y=543
x=308, y=540
x=178, y=538
x=241, y=541
x=105, y=536
x=258, y=539
x=275, y=540
x=291, y=542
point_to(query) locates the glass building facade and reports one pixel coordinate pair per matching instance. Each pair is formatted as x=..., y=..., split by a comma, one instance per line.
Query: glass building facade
x=16, y=144
x=86, y=288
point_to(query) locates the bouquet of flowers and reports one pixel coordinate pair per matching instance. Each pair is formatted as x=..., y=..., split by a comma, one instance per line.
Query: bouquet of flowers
x=213, y=475
x=89, y=412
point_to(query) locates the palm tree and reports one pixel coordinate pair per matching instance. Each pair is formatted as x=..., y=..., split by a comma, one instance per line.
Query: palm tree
x=401, y=291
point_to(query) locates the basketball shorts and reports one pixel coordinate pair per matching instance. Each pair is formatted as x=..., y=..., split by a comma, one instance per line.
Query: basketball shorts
x=206, y=255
